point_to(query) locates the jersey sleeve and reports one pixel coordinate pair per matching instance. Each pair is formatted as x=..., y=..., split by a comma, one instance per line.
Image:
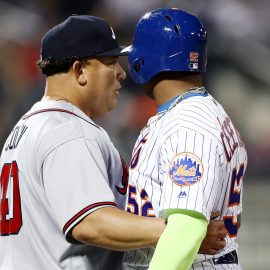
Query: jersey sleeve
x=76, y=182
x=189, y=167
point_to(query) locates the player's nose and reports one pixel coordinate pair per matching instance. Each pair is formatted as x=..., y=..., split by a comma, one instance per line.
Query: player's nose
x=121, y=74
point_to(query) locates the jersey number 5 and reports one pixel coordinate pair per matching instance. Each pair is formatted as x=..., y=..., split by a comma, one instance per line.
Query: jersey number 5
x=145, y=207
x=10, y=207
x=234, y=200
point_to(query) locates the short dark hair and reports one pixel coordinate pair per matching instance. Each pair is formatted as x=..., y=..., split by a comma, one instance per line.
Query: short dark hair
x=52, y=66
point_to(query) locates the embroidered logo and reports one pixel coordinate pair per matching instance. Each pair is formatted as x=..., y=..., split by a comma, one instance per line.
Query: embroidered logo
x=113, y=35
x=194, y=60
x=182, y=194
x=194, y=57
x=186, y=169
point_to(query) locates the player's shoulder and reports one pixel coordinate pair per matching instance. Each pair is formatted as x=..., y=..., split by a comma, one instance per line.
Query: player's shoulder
x=196, y=102
x=54, y=123
x=195, y=114
x=197, y=109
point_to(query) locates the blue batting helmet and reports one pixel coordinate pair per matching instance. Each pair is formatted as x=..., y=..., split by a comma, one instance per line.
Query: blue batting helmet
x=167, y=39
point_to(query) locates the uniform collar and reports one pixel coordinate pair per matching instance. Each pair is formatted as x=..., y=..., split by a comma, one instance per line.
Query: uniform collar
x=165, y=106
x=183, y=96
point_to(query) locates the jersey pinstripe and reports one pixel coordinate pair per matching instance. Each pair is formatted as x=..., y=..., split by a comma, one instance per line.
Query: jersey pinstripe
x=189, y=157
x=57, y=166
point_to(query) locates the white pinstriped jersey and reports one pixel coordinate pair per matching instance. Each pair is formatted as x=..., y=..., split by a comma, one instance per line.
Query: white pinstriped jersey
x=57, y=166
x=189, y=157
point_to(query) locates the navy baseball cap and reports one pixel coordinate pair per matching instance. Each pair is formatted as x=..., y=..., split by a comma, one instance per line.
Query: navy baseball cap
x=80, y=36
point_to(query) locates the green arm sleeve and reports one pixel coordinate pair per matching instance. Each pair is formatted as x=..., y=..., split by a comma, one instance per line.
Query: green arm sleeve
x=179, y=243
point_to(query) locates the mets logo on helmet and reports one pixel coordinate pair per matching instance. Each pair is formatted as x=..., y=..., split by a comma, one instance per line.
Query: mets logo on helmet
x=186, y=169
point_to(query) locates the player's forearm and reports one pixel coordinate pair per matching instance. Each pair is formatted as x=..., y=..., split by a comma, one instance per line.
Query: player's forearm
x=177, y=251
x=115, y=229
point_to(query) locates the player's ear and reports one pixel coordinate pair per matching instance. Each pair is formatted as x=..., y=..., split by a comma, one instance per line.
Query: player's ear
x=79, y=72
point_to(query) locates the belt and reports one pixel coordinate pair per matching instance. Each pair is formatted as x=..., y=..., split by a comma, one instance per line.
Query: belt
x=227, y=258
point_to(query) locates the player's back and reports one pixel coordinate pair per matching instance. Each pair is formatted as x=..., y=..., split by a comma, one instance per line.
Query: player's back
x=31, y=235
x=213, y=122
x=195, y=131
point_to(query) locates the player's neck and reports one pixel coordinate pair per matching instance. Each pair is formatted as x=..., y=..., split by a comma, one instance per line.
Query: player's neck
x=60, y=88
x=166, y=90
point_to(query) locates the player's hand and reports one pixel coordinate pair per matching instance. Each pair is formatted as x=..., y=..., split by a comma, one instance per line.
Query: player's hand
x=214, y=239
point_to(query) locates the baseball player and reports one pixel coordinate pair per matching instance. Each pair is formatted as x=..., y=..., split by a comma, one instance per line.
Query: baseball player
x=189, y=159
x=61, y=177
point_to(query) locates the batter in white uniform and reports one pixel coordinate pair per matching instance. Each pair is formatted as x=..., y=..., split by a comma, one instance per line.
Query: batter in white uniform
x=189, y=159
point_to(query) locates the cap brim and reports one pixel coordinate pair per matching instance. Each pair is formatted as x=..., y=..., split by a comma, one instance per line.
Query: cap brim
x=127, y=49
x=119, y=51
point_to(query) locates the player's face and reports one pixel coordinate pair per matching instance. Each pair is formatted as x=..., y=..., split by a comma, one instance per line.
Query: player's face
x=104, y=77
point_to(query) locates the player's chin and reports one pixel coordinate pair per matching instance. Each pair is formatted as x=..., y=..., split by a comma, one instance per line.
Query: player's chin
x=113, y=104
x=114, y=101
x=117, y=93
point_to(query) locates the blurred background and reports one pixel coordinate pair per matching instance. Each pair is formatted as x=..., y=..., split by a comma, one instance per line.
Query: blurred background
x=238, y=76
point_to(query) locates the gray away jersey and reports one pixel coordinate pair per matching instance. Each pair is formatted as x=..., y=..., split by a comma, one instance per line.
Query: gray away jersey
x=190, y=157
x=57, y=166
